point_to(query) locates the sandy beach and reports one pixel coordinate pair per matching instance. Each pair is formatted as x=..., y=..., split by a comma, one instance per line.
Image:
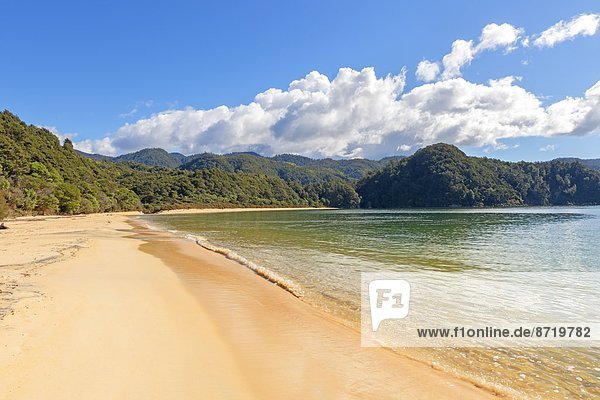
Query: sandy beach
x=99, y=306
x=181, y=211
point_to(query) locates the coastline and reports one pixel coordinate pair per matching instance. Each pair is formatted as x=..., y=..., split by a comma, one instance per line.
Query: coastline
x=145, y=314
x=179, y=211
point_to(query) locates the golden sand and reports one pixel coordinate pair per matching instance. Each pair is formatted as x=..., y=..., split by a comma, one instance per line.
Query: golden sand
x=127, y=313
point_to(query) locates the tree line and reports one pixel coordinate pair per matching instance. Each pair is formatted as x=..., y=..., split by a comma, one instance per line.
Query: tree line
x=39, y=175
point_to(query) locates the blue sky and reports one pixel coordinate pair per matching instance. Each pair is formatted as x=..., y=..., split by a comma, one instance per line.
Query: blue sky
x=90, y=69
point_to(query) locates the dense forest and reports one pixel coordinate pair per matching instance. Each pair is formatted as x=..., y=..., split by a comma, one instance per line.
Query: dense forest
x=443, y=176
x=285, y=166
x=38, y=175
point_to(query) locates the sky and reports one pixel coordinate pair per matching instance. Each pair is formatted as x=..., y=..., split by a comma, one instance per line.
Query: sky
x=515, y=80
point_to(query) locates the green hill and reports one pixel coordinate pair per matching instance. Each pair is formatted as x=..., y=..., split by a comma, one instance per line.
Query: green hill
x=39, y=176
x=593, y=163
x=155, y=157
x=443, y=176
x=251, y=163
x=286, y=166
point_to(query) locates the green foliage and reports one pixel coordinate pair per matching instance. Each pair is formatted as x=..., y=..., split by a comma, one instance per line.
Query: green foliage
x=255, y=164
x=335, y=193
x=68, y=145
x=69, y=198
x=39, y=176
x=154, y=157
x=126, y=200
x=43, y=177
x=590, y=163
x=286, y=166
x=47, y=203
x=3, y=206
x=443, y=176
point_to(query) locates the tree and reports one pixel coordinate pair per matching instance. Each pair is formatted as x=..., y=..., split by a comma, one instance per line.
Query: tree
x=68, y=144
x=69, y=198
x=3, y=206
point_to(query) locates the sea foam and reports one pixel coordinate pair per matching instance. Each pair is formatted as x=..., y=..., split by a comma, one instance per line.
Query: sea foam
x=261, y=271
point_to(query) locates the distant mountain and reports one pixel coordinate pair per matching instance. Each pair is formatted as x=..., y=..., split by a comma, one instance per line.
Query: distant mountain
x=95, y=156
x=294, y=159
x=286, y=166
x=157, y=157
x=593, y=163
x=255, y=164
x=355, y=168
x=443, y=176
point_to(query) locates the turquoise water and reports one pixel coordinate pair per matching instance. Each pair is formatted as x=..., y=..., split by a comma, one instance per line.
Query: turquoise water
x=319, y=255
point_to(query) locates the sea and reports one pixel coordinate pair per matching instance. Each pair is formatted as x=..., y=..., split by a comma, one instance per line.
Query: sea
x=319, y=256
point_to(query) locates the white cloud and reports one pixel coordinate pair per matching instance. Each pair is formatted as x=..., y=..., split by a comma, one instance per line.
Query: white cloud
x=101, y=146
x=584, y=25
x=427, y=71
x=504, y=37
x=61, y=136
x=136, y=108
x=97, y=146
x=548, y=147
x=358, y=114
x=461, y=55
x=493, y=37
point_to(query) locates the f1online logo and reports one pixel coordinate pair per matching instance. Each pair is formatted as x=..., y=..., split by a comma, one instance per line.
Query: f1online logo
x=389, y=299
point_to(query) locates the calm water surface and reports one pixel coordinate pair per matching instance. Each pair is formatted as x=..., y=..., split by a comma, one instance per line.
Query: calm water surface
x=323, y=252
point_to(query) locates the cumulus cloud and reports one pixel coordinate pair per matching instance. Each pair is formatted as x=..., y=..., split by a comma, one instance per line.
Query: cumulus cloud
x=427, y=71
x=493, y=37
x=97, y=146
x=582, y=25
x=357, y=114
x=504, y=37
x=548, y=147
x=61, y=136
x=461, y=55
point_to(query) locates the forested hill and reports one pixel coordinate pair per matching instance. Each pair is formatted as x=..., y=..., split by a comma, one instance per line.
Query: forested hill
x=443, y=176
x=39, y=176
x=593, y=163
x=286, y=166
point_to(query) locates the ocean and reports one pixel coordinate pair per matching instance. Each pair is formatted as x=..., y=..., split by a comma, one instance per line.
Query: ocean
x=319, y=256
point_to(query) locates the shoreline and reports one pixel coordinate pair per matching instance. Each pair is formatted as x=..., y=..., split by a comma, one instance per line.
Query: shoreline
x=179, y=211
x=149, y=315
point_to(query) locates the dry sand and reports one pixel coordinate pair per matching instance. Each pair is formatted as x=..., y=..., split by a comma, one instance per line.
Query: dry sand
x=138, y=314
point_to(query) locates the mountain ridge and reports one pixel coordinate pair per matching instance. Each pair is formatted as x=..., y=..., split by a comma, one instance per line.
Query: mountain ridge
x=38, y=175
x=286, y=166
x=441, y=175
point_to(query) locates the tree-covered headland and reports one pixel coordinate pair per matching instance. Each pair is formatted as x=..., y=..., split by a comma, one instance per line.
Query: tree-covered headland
x=39, y=175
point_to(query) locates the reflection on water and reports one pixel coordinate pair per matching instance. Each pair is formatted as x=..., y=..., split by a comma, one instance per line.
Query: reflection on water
x=325, y=251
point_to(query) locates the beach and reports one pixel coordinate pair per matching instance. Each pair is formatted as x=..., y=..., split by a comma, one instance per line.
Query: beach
x=101, y=306
x=183, y=211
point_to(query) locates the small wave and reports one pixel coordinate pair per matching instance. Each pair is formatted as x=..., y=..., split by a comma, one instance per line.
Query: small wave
x=261, y=271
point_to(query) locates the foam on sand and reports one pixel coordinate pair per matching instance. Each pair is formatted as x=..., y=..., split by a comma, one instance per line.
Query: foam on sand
x=263, y=272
